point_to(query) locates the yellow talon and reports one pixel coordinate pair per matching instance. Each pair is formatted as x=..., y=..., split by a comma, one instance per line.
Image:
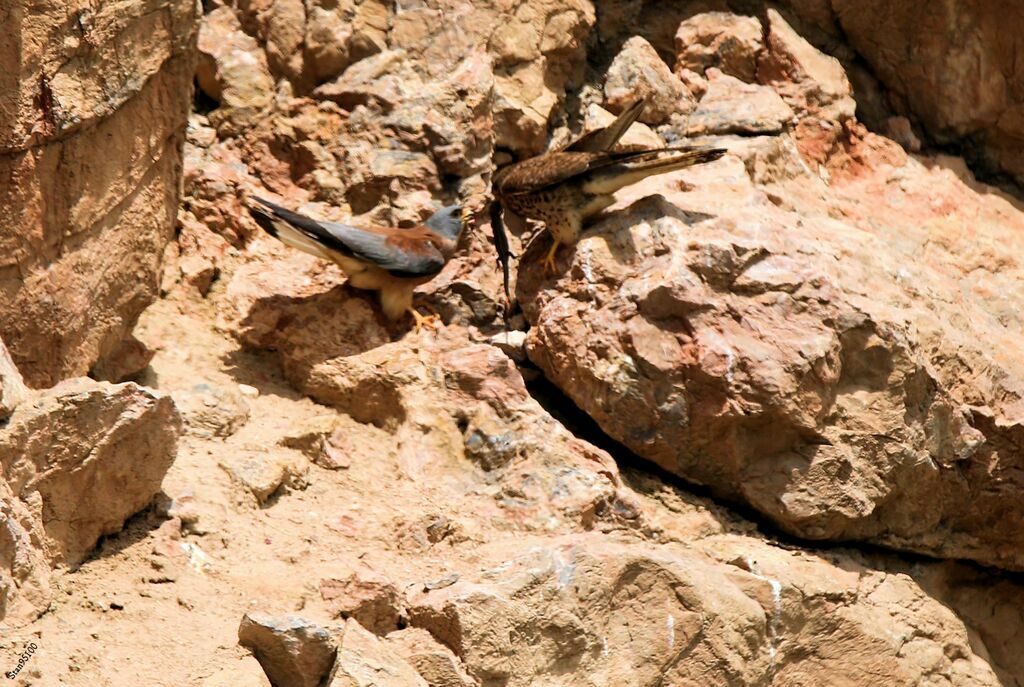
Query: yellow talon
x=549, y=260
x=424, y=321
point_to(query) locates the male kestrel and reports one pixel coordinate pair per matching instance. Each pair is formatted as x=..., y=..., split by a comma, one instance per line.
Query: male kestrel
x=567, y=187
x=390, y=260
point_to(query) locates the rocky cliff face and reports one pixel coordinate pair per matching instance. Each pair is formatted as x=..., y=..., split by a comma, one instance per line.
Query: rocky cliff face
x=93, y=97
x=816, y=331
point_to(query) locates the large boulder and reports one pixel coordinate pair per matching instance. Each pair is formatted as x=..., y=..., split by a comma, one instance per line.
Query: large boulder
x=92, y=454
x=596, y=611
x=832, y=366
x=93, y=103
x=76, y=461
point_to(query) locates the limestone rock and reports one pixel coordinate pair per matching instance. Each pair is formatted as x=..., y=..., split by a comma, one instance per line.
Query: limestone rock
x=367, y=82
x=639, y=72
x=735, y=612
x=731, y=106
x=329, y=32
x=292, y=651
x=75, y=462
x=470, y=396
x=810, y=383
x=212, y=412
x=808, y=80
x=283, y=25
x=93, y=102
x=335, y=443
x=373, y=602
x=91, y=454
x=232, y=68
x=125, y=362
x=216, y=182
x=25, y=589
x=722, y=40
x=435, y=662
x=264, y=473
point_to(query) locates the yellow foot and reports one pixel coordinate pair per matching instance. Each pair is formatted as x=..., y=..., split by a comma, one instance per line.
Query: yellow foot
x=425, y=321
x=549, y=260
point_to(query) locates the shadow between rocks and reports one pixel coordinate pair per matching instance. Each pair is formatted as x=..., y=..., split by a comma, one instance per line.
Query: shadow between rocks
x=136, y=529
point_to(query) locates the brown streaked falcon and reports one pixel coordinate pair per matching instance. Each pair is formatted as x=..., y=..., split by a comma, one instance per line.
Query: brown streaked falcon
x=567, y=187
x=390, y=260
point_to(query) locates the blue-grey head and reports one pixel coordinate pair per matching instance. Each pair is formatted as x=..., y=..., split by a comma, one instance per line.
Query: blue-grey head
x=448, y=222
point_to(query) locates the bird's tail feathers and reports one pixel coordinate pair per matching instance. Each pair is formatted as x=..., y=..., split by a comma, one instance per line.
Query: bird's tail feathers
x=281, y=224
x=649, y=163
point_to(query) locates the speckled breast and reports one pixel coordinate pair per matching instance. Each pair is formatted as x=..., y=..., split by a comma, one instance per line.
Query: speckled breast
x=549, y=204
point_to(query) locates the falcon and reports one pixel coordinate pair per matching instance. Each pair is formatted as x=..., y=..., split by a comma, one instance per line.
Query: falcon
x=390, y=260
x=567, y=187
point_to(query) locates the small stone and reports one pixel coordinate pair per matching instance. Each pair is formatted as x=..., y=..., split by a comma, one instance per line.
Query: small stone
x=263, y=474
x=442, y=582
x=198, y=272
x=211, y=411
x=513, y=344
x=292, y=651
x=248, y=391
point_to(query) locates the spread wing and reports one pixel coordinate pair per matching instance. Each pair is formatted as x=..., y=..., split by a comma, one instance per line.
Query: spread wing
x=402, y=252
